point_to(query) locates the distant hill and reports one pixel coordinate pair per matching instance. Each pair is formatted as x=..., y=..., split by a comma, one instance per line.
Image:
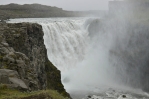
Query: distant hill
x=39, y=11
x=32, y=11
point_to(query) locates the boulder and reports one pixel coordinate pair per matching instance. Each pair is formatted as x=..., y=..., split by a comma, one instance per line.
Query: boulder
x=18, y=82
x=11, y=80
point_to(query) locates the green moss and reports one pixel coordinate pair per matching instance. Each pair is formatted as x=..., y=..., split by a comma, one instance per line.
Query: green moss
x=54, y=79
x=42, y=94
x=3, y=86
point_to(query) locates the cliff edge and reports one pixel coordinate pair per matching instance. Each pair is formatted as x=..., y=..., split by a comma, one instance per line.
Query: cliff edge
x=23, y=59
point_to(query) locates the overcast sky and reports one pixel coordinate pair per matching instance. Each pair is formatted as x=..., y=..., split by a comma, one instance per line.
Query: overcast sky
x=66, y=4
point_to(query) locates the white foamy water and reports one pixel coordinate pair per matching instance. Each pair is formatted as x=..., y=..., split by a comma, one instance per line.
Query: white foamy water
x=66, y=42
x=81, y=60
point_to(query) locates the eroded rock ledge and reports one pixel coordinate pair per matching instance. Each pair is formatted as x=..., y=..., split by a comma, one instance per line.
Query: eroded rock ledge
x=23, y=59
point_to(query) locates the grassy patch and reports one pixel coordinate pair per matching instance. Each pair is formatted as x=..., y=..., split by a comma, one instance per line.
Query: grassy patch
x=42, y=94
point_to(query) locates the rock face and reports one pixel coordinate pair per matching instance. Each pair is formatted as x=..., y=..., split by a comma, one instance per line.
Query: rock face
x=23, y=53
x=11, y=78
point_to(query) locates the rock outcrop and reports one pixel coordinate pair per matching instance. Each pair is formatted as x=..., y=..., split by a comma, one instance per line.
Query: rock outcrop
x=23, y=59
x=11, y=79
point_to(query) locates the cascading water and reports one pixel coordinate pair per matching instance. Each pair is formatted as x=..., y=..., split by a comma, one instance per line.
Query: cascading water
x=90, y=55
x=65, y=42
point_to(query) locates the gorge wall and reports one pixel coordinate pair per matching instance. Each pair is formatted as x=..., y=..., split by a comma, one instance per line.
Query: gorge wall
x=23, y=59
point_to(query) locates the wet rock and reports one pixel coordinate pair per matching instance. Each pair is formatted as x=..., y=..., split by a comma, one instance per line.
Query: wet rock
x=124, y=96
x=89, y=96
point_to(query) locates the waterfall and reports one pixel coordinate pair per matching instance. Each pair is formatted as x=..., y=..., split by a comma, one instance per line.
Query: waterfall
x=76, y=53
x=94, y=54
x=66, y=41
x=79, y=50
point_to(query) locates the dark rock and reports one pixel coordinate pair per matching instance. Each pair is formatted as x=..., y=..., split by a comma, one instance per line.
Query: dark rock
x=89, y=97
x=22, y=49
x=124, y=96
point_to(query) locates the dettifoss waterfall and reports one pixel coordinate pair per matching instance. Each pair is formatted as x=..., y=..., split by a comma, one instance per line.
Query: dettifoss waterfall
x=66, y=42
x=96, y=57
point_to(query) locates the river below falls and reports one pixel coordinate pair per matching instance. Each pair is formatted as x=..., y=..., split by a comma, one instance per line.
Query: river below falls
x=109, y=94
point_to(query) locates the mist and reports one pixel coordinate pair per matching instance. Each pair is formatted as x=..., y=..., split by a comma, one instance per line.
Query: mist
x=117, y=53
